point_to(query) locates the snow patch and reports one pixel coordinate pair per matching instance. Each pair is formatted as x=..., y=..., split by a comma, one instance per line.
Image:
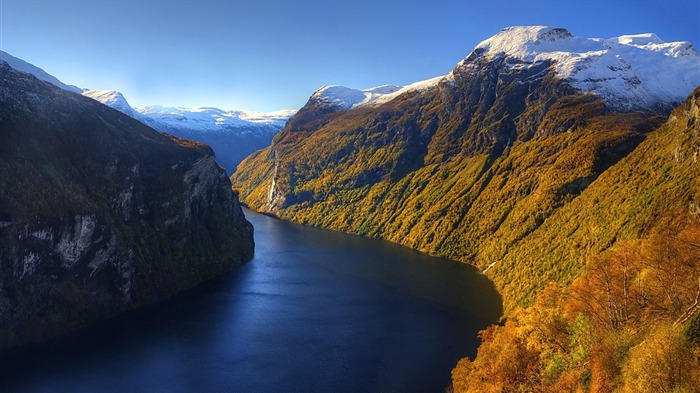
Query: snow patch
x=341, y=97
x=29, y=264
x=638, y=39
x=413, y=87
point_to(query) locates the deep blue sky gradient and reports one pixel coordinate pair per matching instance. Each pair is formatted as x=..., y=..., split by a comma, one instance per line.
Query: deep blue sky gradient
x=272, y=54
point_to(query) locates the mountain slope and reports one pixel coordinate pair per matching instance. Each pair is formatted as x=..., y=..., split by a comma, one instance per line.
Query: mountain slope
x=99, y=213
x=642, y=194
x=472, y=164
x=631, y=322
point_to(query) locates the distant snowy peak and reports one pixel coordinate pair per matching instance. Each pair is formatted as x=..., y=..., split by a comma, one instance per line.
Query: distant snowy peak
x=112, y=99
x=164, y=118
x=23, y=66
x=630, y=72
x=214, y=119
x=344, y=98
x=277, y=118
x=340, y=97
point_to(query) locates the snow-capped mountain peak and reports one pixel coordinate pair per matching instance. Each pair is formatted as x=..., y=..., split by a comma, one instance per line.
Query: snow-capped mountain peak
x=113, y=99
x=526, y=42
x=630, y=72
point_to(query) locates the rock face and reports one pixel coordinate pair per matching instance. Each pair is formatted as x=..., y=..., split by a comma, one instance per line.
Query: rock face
x=470, y=166
x=100, y=214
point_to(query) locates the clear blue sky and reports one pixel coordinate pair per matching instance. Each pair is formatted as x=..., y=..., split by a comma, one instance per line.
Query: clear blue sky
x=266, y=55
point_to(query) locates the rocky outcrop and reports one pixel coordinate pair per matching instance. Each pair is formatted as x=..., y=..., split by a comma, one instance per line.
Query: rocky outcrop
x=100, y=214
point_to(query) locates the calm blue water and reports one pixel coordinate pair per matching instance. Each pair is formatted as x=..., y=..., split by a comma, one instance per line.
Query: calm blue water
x=314, y=311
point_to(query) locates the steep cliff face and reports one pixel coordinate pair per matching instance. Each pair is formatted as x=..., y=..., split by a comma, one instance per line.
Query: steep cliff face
x=471, y=165
x=100, y=214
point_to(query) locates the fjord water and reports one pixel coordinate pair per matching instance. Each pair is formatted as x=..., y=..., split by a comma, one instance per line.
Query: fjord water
x=314, y=311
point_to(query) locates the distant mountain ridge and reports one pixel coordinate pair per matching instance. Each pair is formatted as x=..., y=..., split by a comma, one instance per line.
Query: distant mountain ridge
x=215, y=119
x=194, y=119
x=231, y=134
x=113, y=99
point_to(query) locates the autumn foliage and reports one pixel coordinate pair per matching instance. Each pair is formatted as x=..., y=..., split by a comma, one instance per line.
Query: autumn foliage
x=627, y=325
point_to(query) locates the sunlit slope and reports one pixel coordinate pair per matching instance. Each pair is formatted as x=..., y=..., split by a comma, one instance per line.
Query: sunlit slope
x=482, y=166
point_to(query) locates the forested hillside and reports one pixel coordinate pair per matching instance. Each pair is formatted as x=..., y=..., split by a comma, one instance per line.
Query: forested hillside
x=631, y=322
